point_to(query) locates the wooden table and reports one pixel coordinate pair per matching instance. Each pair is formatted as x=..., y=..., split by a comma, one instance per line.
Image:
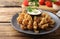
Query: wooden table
x=7, y=10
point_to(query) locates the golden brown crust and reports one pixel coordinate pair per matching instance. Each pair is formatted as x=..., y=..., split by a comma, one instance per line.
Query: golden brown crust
x=35, y=23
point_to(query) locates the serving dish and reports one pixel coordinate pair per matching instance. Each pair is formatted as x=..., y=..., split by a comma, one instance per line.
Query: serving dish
x=16, y=25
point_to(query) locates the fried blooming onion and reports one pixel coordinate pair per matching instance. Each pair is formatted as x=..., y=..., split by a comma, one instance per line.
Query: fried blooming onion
x=35, y=23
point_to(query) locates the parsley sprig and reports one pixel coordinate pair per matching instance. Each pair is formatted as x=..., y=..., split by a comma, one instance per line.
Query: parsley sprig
x=53, y=0
x=35, y=1
x=29, y=8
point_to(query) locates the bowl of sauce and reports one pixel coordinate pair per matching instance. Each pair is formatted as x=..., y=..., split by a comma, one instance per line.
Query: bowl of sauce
x=35, y=12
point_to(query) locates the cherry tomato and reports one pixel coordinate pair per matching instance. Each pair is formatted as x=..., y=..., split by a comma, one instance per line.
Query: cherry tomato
x=41, y=2
x=48, y=3
x=25, y=2
x=57, y=3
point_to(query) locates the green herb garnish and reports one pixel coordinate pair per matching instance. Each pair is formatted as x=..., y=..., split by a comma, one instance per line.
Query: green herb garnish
x=29, y=9
x=36, y=4
x=53, y=0
x=35, y=1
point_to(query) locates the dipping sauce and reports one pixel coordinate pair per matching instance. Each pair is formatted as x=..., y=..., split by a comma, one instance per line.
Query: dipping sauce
x=34, y=12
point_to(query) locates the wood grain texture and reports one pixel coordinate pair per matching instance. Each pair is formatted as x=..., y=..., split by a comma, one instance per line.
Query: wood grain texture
x=43, y=7
x=15, y=38
x=10, y=9
x=7, y=13
x=10, y=2
x=7, y=31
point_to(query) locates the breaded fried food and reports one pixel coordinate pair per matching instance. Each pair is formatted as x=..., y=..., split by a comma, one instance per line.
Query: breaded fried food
x=51, y=22
x=30, y=26
x=35, y=23
x=44, y=26
x=23, y=27
x=37, y=19
x=35, y=26
x=25, y=22
x=43, y=21
x=20, y=18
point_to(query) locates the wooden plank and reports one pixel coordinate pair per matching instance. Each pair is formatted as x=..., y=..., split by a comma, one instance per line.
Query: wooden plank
x=4, y=18
x=6, y=30
x=15, y=38
x=10, y=2
x=10, y=9
x=43, y=7
x=7, y=13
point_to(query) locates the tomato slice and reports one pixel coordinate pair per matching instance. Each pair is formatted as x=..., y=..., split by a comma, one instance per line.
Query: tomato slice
x=41, y=2
x=25, y=2
x=48, y=3
x=57, y=3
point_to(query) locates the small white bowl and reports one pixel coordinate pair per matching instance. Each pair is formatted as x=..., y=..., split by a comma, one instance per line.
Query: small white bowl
x=56, y=7
x=35, y=12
